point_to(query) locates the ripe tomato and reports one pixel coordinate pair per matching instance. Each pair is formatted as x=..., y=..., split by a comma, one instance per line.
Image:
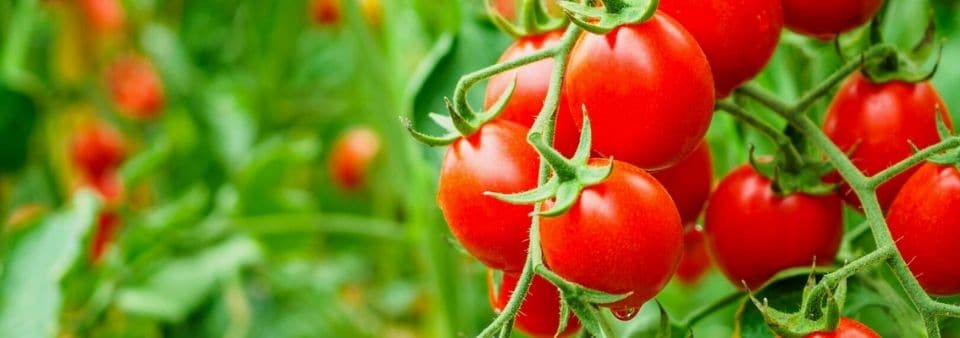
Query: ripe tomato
x=738, y=37
x=696, y=258
x=105, y=16
x=689, y=183
x=848, y=328
x=647, y=88
x=97, y=148
x=533, y=82
x=622, y=235
x=325, y=12
x=496, y=158
x=824, y=20
x=351, y=156
x=925, y=222
x=753, y=232
x=878, y=122
x=539, y=314
x=135, y=87
x=106, y=227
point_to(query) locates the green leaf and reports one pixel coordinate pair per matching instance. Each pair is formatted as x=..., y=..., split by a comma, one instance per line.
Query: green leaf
x=181, y=285
x=18, y=115
x=30, y=295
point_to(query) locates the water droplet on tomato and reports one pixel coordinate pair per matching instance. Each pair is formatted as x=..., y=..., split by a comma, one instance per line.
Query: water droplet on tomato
x=626, y=313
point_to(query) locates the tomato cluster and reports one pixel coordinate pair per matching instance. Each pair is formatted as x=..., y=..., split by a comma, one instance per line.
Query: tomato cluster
x=635, y=230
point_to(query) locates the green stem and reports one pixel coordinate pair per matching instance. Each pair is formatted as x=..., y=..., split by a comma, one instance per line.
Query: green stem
x=544, y=124
x=462, y=106
x=831, y=280
x=906, y=164
x=709, y=309
x=831, y=81
x=791, y=154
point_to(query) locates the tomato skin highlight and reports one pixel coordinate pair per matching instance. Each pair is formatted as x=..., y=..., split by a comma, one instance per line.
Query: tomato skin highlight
x=925, y=223
x=135, y=87
x=533, y=82
x=753, y=233
x=696, y=259
x=648, y=89
x=824, y=20
x=878, y=122
x=351, y=156
x=689, y=183
x=738, y=36
x=622, y=235
x=497, y=159
x=539, y=314
x=96, y=149
x=847, y=328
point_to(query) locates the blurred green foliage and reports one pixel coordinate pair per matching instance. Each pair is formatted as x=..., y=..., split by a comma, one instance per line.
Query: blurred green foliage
x=233, y=227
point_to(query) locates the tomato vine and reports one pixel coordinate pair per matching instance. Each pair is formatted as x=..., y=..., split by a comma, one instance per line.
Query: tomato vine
x=581, y=300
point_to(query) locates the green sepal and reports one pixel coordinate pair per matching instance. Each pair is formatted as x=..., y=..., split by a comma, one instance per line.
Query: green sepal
x=534, y=19
x=433, y=141
x=456, y=125
x=951, y=157
x=532, y=196
x=806, y=179
x=826, y=316
x=900, y=66
x=614, y=13
x=564, y=315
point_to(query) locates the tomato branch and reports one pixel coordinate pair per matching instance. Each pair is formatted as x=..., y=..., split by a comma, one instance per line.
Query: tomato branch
x=544, y=124
x=709, y=309
x=906, y=164
x=790, y=152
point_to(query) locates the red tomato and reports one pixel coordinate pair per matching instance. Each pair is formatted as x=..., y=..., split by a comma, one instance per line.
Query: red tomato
x=689, y=183
x=105, y=16
x=753, y=232
x=135, y=87
x=824, y=20
x=647, y=88
x=696, y=258
x=533, y=82
x=107, y=226
x=848, y=328
x=622, y=235
x=539, y=314
x=738, y=36
x=325, y=12
x=351, y=156
x=97, y=148
x=925, y=222
x=878, y=122
x=496, y=158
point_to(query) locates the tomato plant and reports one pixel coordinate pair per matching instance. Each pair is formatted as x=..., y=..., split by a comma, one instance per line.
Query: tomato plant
x=622, y=235
x=922, y=219
x=494, y=159
x=880, y=124
x=738, y=37
x=539, y=312
x=827, y=20
x=746, y=216
x=351, y=156
x=655, y=62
